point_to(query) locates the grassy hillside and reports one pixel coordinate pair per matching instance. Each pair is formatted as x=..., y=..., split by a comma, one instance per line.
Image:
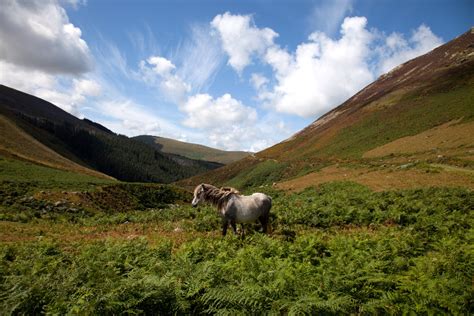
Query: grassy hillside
x=411, y=115
x=38, y=131
x=412, y=101
x=193, y=151
x=13, y=170
x=17, y=144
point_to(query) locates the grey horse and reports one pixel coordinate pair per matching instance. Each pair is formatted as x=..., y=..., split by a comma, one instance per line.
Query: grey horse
x=234, y=207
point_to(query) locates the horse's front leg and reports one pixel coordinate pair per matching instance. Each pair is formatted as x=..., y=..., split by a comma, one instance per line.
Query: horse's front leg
x=225, y=223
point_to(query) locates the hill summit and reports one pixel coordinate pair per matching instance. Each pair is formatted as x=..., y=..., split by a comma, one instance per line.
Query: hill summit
x=190, y=150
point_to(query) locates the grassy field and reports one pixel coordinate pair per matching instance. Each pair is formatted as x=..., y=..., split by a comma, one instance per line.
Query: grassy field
x=22, y=171
x=338, y=248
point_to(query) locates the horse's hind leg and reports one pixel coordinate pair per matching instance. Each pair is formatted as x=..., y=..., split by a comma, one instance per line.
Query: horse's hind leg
x=234, y=226
x=264, y=221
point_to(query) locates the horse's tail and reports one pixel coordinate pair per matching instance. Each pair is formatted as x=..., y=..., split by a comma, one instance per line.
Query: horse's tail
x=270, y=202
x=266, y=215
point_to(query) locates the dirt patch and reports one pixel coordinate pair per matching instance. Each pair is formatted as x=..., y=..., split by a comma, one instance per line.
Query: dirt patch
x=380, y=180
x=67, y=233
x=446, y=136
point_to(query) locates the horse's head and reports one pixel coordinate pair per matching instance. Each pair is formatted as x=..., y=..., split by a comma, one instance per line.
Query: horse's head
x=198, y=194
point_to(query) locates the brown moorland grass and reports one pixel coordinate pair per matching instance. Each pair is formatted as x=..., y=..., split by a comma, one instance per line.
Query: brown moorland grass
x=446, y=136
x=379, y=180
x=67, y=233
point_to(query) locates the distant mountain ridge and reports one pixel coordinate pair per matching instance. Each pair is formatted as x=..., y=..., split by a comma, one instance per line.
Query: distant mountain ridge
x=37, y=131
x=388, y=125
x=192, y=151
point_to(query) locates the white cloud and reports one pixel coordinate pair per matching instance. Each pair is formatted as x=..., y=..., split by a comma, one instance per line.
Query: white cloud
x=241, y=39
x=226, y=123
x=38, y=35
x=160, y=72
x=175, y=89
x=72, y=96
x=111, y=62
x=206, y=112
x=258, y=81
x=74, y=3
x=129, y=117
x=161, y=65
x=42, y=53
x=398, y=50
x=200, y=58
x=24, y=79
x=66, y=93
x=87, y=87
x=322, y=72
x=278, y=58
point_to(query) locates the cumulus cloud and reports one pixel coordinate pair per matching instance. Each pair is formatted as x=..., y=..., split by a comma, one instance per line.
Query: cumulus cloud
x=258, y=81
x=161, y=65
x=321, y=72
x=67, y=93
x=160, y=72
x=206, y=112
x=226, y=122
x=71, y=96
x=318, y=75
x=241, y=39
x=398, y=50
x=25, y=79
x=87, y=87
x=42, y=53
x=38, y=35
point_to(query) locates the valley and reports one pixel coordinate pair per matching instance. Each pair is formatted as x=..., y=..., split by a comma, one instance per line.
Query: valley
x=372, y=209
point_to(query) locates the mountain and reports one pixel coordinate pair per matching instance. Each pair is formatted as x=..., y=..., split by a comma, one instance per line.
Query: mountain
x=193, y=151
x=37, y=131
x=413, y=126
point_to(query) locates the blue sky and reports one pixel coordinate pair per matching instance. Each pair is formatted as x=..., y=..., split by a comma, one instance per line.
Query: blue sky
x=237, y=75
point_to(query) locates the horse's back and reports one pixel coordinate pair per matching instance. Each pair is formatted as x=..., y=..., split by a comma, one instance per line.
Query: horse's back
x=250, y=208
x=263, y=199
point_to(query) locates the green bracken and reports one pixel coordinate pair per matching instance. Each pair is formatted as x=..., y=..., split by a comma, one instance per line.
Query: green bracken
x=337, y=249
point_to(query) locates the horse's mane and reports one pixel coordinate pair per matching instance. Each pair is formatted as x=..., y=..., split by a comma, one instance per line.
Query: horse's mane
x=218, y=197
